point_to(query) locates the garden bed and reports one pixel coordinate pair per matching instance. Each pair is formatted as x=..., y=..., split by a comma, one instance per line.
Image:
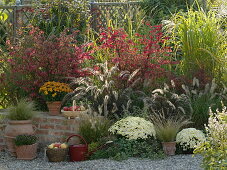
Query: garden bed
x=186, y=162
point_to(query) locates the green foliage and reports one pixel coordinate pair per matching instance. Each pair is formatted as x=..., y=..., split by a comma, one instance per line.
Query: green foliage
x=94, y=128
x=122, y=149
x=167, y=128
x=202, y=98
x=158, y=10
x=24, y=110
x=10, y=93
x=214, y=150
x=25, y=140
x=93, y=146
x=3, y=28
x=55, y=16
x=9, y=2
x=198, y=37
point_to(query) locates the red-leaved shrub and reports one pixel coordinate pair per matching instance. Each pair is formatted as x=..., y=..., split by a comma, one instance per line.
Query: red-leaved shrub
x=145, y=52
x=37, y=59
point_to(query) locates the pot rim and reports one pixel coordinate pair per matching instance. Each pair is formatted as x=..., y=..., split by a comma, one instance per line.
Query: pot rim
x=169, y=142
x=34, y=144
x=20, y=122
x=48, y=102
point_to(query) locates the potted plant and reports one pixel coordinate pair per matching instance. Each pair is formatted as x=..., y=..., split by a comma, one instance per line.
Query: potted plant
x=167, y=129
x=53, y=92
x=26, y=147
x=57, y=152
x=19, y=122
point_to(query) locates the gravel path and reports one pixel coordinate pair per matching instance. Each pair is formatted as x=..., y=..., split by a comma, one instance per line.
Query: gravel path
x=178, y=162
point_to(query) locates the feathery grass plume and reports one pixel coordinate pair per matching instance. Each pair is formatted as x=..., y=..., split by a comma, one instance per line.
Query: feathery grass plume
x=165, y=100
x=201, y=98
x=100, y=89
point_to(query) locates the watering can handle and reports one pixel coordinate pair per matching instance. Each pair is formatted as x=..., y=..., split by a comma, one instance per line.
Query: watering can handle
x=79, y=137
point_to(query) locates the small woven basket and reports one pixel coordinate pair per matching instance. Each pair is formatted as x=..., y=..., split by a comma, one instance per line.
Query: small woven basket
x=56, y=155
x=75, y=113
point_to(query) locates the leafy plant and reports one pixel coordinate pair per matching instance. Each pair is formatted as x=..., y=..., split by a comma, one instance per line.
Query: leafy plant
x=94, y=128
x=122, y=149
x=214, y=149
x=167, y=128
x=24, y=110
x=25, y=140
x=203, y=98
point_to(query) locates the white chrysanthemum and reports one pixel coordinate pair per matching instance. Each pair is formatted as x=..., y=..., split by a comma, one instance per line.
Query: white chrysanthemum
x=190, y=138
x=133, y=128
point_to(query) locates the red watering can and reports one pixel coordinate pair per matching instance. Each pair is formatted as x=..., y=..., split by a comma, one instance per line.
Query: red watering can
x=78, y=152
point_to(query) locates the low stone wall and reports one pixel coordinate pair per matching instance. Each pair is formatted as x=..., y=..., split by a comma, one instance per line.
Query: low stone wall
x=48, y=128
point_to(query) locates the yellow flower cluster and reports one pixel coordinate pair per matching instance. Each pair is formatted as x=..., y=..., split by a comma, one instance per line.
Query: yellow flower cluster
x=54, y=88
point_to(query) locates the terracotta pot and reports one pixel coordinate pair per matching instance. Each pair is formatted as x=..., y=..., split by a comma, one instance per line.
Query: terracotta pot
x=26, y=152
x=169, y=148
x=15, y=128
x=54, y=108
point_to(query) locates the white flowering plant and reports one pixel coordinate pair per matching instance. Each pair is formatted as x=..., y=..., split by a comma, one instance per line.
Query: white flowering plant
x=133, y=128
x=189, y=138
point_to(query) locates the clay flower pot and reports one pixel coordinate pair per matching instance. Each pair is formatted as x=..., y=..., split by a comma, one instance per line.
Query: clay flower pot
x=15, y=128
x=54, y=108
x=169, y=148
x=26, y=152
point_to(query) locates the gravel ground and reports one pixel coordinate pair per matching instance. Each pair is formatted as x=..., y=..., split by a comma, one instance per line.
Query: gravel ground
x=178, y=162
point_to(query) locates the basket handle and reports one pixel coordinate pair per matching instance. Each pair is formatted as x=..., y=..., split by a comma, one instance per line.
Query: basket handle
x=77, y=136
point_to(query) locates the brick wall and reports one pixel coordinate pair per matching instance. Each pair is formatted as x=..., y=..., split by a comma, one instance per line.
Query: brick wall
x=48, y=128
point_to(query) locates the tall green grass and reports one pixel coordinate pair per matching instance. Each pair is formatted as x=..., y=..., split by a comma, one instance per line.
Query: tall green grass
x=202, y=43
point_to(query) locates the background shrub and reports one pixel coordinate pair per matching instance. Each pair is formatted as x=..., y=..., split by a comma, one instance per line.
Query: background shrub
x=55, y=16
x=198, y=37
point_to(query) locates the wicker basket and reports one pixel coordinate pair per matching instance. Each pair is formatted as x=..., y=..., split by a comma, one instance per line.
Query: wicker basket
x=56, y=155
x=73, y=114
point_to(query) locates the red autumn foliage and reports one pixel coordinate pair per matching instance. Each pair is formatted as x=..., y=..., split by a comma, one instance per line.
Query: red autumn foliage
x=145, y=52
x=37, y=59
